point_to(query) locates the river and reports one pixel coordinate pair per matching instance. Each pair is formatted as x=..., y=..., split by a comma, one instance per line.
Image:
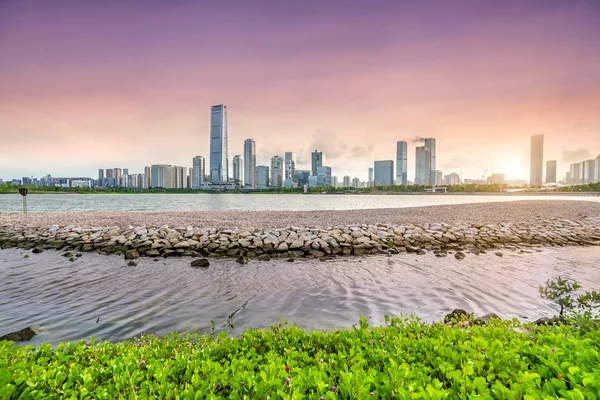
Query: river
x=164, y=295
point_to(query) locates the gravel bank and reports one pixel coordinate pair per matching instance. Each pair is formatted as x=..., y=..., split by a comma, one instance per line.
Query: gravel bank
x=485, y=213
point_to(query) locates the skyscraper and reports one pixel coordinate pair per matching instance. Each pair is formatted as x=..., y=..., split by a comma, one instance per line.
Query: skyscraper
x=100, y=174
x=423, y=166
x=117, y=176
x=198, y=171
x=597, y=174
x=147, y=177
x=219, y=163
x=401, y=163
x=347, y=181
x=324, y=176
x=262, y=176
x=384, y=173
x=290, y=164
x=430, y=146
x=551, y=171
x=370, y=180
x=238, y=170
x=250, y=163
x=162, y=176
x=536, y=167
x=317, y=160
x=276, y=172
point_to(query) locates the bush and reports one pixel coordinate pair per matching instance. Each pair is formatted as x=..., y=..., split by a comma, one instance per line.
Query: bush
x=403, y=359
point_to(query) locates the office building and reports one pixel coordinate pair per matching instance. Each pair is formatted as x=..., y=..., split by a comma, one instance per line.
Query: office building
x=452, y=179
x=179, y=177
x=301, y=176
x=597, y=174
x=198, y=171
x=317, y=160
x=147, y=177
x=277, y=172
x=551, y=171
x=335, y=181
x=589, y=169
x=250, y=163
x=219, y=162
x=161, y=176
x=238, y=170
x=496, y=179
x=384, y=173
x=574, y=172
x=356, y=183
x=430, y=146
x=100, y=174
x=370, y=180
x=117, y=174
x=401, y=163
x=423, y=167
x=324, y=176
x=290, y=164
x=262, y=176
x=536, y=160
x=347, y=181
x=438, y=178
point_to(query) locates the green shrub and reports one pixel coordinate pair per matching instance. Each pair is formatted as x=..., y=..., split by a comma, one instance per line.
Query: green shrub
x=403, y=359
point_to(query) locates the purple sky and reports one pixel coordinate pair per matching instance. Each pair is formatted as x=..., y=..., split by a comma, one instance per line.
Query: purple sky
x=87, y=85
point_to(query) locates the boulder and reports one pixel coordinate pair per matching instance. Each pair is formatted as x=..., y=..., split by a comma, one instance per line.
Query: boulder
x=131, y=254
x=457, y=314
x=22, y=335
x=459, y=255
x=499, y=254
x=132, y=264
x=242, y=260
x=68, y=254
x=264, y=257
x=486, y=318
x=37, y=250
x=200, y=263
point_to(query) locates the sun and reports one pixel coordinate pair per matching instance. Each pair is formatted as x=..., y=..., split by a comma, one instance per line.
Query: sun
x=514, y=169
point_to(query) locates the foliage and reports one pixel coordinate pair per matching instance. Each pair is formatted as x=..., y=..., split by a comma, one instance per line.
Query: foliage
x=561, y=292
x=403, y=359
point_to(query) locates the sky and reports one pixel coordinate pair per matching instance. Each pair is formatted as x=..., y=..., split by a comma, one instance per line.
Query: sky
x=87, y=85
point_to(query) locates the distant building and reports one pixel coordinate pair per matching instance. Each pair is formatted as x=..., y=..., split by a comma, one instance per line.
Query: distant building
x=334, y=181
x=430, y=146
x=238, y=170
x=179, y=177
x=250, y=163
x=219, y=162
x=198, y=171
x=589, y=170
x=100, y=176
x=497, y=179
x=401, y=163
x=551, y=171
x=317, y=160
x=161, y=176
x=301, y=176
x=452, y=179
x=370, y=180
x=277, y=172
x=438, y=178
x=536, y=168
x=597, y=174
x=384, y=173
x=324, y=176
x=147, y=177
x=423, y=166
x=81, y=182
x=516, y=183
x=356, y=183
x=262, y=176
x=117, y=175
x=347, y=181
x=574, y=170
x=290, y=164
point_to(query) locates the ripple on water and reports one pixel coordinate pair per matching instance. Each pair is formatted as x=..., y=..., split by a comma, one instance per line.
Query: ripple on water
x=65, y=298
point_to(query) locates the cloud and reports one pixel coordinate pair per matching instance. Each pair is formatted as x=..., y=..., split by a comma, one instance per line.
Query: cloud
x=328, y=143
x=571, y=156
x=360, y=151
x=418, y=139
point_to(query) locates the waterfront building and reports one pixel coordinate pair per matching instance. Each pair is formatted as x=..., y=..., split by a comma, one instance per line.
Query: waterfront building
x=262, y=176
x=179, y=177
x=198, y=171
x=423, y=168
x=100, y=174
x=250, y=163
x=452, y=179
x=219, y=162
x=161, y=176
x=347, y=182
x=438, y=178
x=117, y=175
x=301, y=176
x=147, y=177
x=238, y=170
x=430, y=146
x=574, y=170
x=384, y=173
x=317, y=160
x=356, y=183
x=324, y=176
x=401, y=163
x=589, y=169
x=370, y=180
x=536, y=160
x=276, y=172
x=290, y=164
x=551, y=171
x=334, y=181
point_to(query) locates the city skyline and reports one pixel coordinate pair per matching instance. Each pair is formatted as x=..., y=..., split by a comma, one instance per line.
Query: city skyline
x=136, y=95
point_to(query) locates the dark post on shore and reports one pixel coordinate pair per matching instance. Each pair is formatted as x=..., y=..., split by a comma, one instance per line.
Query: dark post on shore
x=23, y=192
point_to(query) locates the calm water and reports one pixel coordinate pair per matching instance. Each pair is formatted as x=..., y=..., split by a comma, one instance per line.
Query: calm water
x=65, y=298
x=245, y=202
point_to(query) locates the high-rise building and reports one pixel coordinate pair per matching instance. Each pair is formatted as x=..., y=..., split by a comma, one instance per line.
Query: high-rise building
x=347, y=181
x=162, y=176
x=100, y=174
x=589, y=170
x=238, y=170
x=401, y=163
x=147, y=177
x=324, y=176
x=356, y=183
x=452, y=179
x=277, y=172
x=250, y=163
x=370, y=180
x=290, y=164
x=423, y=166
x=551, y=171
x=317, y=160
x=302, y=176
x=496, y=179
x=536, y=168
x=438, y=178
x=574, y=170
x=117, y=175
x=597, y=174
x=384, y=173
x=430, y=145
x=198, y=171
x=262, y=176
x=219, y=162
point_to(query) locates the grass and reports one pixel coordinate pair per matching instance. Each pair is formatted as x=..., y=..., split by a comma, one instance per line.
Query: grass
x=403, y=359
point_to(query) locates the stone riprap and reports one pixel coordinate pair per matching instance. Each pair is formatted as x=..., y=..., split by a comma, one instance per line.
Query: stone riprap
x=293, y=242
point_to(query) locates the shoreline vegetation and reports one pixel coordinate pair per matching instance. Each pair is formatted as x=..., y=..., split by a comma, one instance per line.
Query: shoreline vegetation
x=470, y=228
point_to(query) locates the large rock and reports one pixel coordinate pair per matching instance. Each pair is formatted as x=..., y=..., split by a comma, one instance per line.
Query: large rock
x=459, y=255
x=486, y=318
x=458, y=314
x=200, y=263
x=264, y=257
x=22, y=335
x=242, y=260
x=131, y=255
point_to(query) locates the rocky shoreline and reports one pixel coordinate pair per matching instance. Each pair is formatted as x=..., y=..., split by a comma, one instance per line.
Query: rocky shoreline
x=293, y=242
